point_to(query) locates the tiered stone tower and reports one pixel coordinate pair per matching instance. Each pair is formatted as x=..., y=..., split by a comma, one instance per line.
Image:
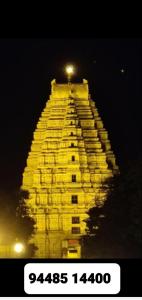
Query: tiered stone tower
x=70, y=158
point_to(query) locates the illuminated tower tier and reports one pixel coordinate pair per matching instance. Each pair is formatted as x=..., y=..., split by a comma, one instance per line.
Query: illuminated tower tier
x=70, y=158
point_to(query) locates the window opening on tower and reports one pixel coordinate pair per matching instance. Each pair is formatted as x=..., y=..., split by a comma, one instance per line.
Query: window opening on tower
x=73, y=178
x=75, y=220
x=74, y=199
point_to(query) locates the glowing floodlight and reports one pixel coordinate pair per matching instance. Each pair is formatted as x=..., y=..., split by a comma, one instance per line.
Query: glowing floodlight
x=69, y=71
x=19, y=248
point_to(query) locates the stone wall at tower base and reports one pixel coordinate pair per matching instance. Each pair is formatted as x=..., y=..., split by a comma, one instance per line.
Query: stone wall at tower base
x=57, y=244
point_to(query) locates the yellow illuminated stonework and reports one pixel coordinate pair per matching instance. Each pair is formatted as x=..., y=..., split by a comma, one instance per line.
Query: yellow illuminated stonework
x=70, y=158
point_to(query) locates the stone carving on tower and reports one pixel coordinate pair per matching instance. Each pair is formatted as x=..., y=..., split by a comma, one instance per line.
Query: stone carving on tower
x=70, y=158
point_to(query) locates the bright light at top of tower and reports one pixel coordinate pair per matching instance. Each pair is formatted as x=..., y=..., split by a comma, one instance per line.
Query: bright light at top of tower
x=69, y=69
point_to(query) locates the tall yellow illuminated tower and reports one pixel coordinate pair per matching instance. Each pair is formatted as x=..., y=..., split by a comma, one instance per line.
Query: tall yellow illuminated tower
x=70, y=158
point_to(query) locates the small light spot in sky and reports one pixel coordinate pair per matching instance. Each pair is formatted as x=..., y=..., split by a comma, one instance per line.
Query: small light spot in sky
x=122, y=70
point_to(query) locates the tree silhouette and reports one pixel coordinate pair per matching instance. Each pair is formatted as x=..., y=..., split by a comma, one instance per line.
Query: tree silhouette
x=15, y=221
x=114, y=230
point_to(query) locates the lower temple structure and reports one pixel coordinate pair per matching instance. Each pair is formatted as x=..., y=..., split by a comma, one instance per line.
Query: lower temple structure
x=69, y=160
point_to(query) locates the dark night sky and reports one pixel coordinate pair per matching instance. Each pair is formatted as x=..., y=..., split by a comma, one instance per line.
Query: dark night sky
x=28, y=65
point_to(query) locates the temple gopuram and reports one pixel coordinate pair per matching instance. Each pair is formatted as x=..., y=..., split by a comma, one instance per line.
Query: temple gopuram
x=69, y=159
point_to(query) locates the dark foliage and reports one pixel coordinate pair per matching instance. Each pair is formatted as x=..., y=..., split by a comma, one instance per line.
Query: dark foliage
x=15, y=223
x=114, y=230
